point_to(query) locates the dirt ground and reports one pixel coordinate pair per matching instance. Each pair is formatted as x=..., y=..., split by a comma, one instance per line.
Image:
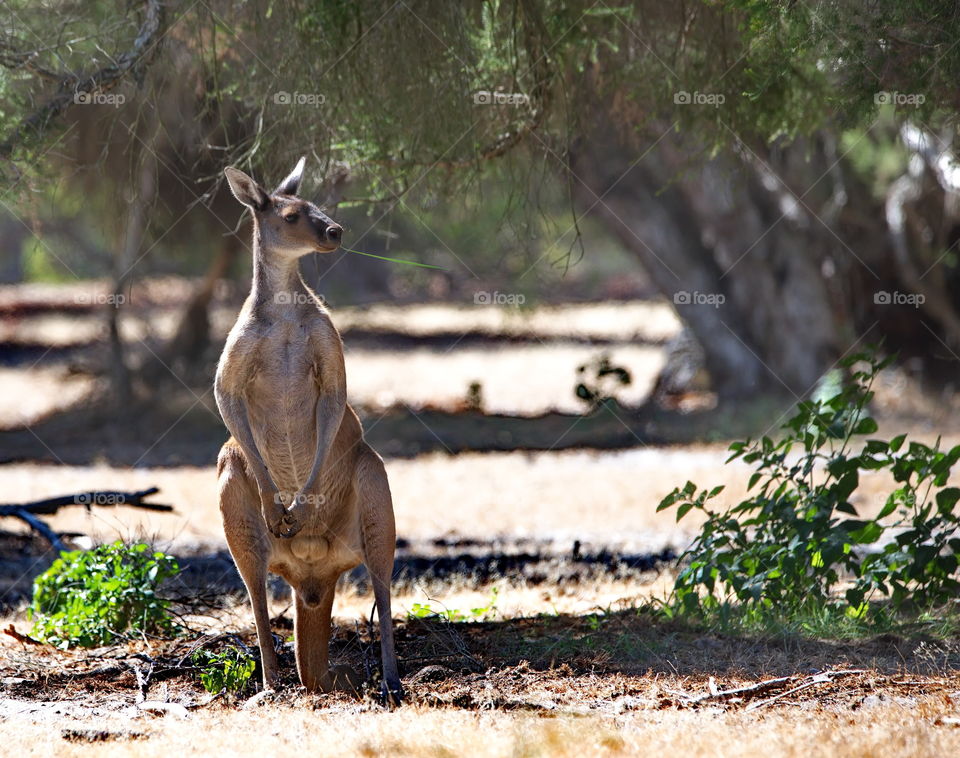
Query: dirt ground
x=547, y=554
x=606, y=684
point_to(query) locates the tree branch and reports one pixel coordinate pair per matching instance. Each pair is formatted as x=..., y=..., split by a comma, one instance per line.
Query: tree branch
x=101, y=80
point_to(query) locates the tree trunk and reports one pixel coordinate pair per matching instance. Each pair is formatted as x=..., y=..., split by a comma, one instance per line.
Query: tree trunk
x=136, y=226
x=758, y=270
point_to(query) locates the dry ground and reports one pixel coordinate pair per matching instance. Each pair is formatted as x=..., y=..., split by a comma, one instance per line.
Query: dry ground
x=557, y=669
x=613, y=684
x=559, y=665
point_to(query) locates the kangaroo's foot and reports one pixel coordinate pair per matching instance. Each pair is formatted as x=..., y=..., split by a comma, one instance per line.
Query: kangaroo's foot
x=391, y=693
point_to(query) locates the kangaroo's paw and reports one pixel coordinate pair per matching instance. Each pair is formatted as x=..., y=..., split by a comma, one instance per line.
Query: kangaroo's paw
x=286, y=525
x=280, y=521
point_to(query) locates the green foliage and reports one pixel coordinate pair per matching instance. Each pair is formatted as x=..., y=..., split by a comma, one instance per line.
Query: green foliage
x=229, y=670
x=94, y=597
x=788, y=549
x=599, y=380
x=425, y=610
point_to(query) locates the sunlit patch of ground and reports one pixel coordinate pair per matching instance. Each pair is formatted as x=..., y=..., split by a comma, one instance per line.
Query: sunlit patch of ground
x=513, y=380
x=648, y=321
x=926, y=729
x=28, y=395
x=569, y=495
x=586, y=495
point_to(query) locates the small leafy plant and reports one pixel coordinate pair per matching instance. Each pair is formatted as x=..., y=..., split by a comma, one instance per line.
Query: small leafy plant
x=229, y=670
x=89, y=598
x=599, y=381
x=798, y=546
x=425, y=610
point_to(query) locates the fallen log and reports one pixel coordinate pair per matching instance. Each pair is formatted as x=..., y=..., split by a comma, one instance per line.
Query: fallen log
x=28, y=512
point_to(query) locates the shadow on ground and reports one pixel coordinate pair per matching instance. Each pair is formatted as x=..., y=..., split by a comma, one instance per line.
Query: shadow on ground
x=210, y=577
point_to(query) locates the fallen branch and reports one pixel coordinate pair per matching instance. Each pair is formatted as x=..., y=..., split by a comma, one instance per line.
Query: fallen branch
x=758, y=688
x=824, y=678
x=751, y=689
x=103, y=498
x=28, y=512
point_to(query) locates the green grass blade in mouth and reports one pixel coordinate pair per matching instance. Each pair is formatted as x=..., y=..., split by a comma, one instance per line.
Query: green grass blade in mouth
x=394, y=260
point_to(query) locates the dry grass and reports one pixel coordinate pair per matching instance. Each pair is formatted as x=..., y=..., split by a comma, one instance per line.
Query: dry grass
x=885, y=730
x=558, y=686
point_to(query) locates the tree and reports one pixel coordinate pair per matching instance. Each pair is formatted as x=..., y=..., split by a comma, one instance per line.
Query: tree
x=734, y=147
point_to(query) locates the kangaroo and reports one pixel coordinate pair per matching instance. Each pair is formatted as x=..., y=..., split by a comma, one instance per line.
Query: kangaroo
x=281, y=390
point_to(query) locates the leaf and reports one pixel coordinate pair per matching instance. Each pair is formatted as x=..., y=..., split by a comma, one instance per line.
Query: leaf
x=897, y=442
x=870, y=532
x=846, y=485
x=669, y=500
x=866, y=425
x=891, y=504
x=947, y=499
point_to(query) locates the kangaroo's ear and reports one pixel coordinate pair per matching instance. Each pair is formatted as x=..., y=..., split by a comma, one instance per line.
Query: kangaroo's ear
x=246, y=190
x=291, y=184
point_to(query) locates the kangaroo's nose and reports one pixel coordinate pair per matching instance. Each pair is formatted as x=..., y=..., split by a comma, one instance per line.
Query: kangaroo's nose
x=334, y=233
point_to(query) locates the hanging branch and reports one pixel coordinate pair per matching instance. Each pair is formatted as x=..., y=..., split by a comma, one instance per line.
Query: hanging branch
x=71, y=86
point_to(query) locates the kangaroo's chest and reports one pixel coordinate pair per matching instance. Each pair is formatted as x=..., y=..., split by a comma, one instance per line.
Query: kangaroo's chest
x=282, y=394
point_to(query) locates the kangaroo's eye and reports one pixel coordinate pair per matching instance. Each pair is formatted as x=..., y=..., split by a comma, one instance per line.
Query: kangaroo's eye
x=291, y=218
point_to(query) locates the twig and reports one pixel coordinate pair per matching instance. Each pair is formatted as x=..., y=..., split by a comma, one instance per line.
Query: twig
x=824, y=678
x=143, y=680
x=750, y=689
x=758, y=688
x=11, y=631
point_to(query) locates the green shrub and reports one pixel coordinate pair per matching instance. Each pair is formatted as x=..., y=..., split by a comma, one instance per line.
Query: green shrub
x=427, y=611
x=788, y=548
x=227, y=671
x=94, y=597
x=599, y=381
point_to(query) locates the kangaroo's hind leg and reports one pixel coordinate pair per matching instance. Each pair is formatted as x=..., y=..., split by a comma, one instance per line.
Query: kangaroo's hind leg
x=249, y=545
x=378, y=531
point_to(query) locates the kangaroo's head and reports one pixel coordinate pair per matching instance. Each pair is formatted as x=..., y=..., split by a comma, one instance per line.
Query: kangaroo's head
x=288, y=225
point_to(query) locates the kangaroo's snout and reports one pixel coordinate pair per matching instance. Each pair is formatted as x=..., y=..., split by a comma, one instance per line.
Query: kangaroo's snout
x=334, y=233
